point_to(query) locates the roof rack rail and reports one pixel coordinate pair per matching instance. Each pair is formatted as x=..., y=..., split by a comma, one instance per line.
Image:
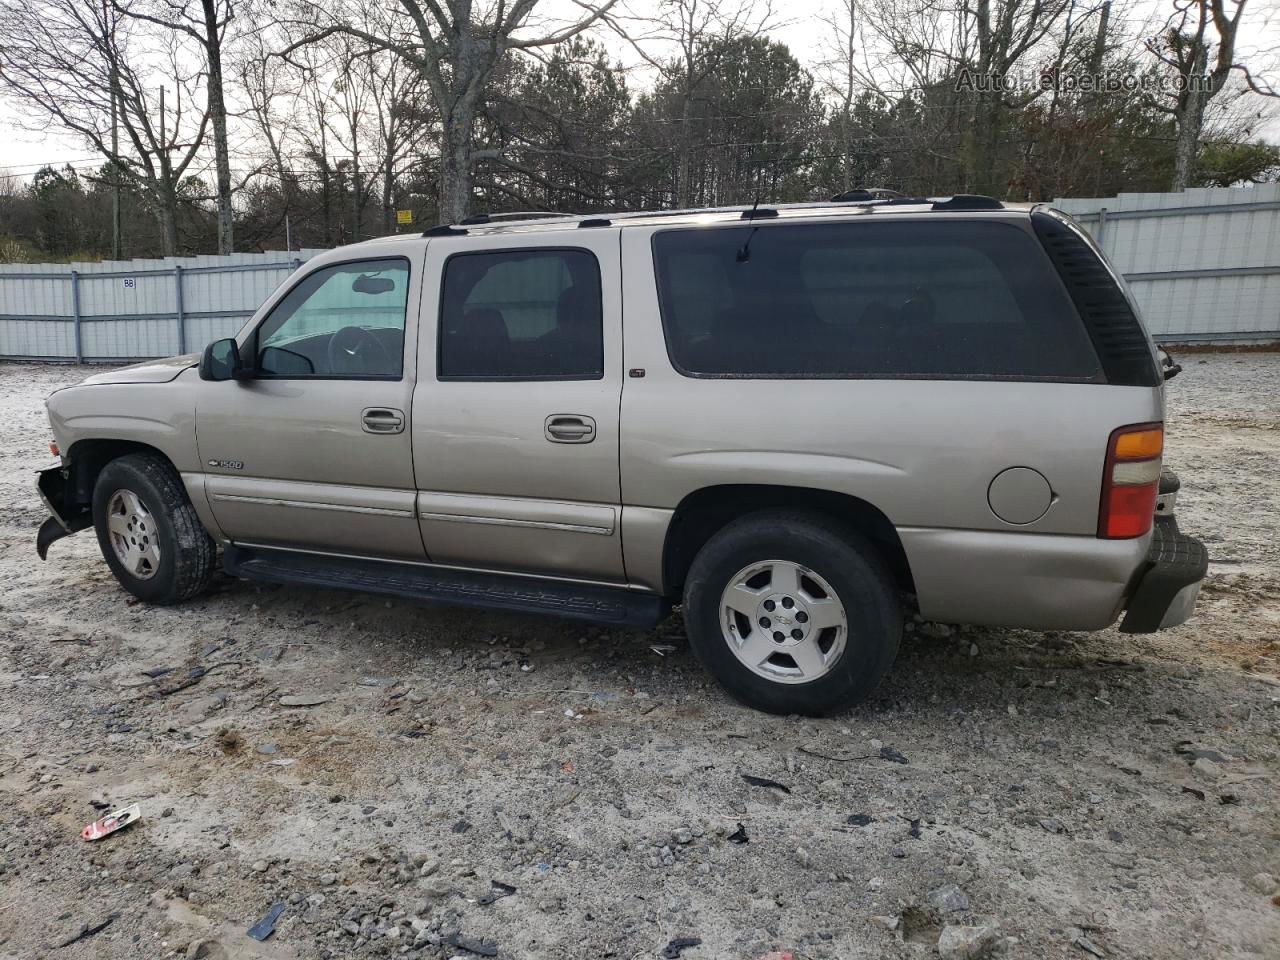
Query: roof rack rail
x=595, y=222
x=862, y=194
x=968, y=201
x=758, y=213
x=483, y=218
x=444, y=230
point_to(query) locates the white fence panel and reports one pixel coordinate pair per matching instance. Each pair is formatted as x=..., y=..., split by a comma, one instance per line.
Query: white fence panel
x=1203, y=264
x=134, y=309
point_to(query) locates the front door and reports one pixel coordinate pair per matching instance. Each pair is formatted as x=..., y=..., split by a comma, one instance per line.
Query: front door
x=516, y=413
x=313, y=451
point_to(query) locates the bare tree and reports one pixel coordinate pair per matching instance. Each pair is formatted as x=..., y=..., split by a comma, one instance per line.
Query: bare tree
x=679, y=40
x=67, y=60
x=1199, y=44
x=456, y=47
x=205, y=22
x=269, y=87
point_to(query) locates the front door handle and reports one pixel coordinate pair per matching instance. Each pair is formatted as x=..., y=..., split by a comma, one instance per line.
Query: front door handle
x=570, y=428
x=382, y=420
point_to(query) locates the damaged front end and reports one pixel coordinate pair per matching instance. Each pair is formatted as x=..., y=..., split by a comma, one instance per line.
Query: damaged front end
x=59, y=488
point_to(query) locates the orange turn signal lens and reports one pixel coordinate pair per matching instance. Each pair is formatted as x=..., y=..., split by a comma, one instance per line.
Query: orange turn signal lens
x=1130, y=481
x=1140, y=444
x=53, y=448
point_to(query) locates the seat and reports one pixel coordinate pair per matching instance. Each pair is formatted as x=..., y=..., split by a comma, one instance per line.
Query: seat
x=479, y=346
x=575, y=347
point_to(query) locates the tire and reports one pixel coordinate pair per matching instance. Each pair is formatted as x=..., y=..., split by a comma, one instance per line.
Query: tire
x=808, y=557
x=168, y=557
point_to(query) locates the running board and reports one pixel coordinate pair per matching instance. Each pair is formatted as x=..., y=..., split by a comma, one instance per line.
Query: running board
x=614, y=606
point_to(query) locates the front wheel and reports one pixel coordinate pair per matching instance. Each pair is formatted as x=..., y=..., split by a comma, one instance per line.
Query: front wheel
x=149, y=532
x=792, y=613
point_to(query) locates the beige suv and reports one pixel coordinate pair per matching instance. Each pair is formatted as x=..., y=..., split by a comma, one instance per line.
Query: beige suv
x=797, y=421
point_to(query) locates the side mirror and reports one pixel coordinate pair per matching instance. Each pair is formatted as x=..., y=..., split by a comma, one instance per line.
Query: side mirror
x=221, y=361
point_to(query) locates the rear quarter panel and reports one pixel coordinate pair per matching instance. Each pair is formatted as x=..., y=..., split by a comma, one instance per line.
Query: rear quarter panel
x=922, y=451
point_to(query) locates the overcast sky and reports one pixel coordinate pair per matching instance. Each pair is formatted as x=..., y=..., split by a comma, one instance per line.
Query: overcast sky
x=801, y=27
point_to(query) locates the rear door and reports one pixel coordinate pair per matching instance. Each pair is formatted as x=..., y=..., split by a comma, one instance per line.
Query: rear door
x=515, y=416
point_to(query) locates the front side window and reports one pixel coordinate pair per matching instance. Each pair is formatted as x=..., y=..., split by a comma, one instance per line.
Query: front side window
x=521, y=315
x=341, y=321
x=923, y=298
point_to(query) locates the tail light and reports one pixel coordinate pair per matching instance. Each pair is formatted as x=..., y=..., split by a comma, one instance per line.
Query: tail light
x=1131, y=481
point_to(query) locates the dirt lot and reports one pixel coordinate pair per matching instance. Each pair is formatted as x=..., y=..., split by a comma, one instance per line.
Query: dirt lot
x=1049, y=778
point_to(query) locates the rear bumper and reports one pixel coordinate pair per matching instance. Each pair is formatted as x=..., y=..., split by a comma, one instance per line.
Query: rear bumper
x=1033, y=581
x=1052, y=582
x=1167, y=587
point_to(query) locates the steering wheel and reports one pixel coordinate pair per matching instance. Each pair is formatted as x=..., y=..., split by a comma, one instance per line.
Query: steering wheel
x=355, y=351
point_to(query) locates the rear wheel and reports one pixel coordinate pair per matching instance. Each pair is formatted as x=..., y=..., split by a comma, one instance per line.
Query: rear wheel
x=792, y=613
x=148, y=530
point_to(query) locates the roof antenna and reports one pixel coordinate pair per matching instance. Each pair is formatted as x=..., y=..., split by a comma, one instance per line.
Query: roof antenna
x=744, y=251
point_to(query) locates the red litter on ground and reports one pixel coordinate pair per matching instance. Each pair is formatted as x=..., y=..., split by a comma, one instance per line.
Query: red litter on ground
x=111, y=823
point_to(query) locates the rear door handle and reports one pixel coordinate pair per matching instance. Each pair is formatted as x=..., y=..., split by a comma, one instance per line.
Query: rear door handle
x=570, y=428
x=382, y=420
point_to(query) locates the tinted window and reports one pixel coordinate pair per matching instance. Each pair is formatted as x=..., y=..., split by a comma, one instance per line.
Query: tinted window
x=923, y=299
x=341, y=321
x=521, y=315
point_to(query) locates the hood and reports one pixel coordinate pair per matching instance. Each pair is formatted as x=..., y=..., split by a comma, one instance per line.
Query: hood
x=151, y=371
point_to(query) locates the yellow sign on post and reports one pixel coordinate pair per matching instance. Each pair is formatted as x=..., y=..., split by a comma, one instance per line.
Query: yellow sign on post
x=404, y=216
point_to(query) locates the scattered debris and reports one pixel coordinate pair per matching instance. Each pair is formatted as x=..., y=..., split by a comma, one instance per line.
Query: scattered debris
x=662, y=649
x=967, y=943
x=859, y=819
x=483, y=948
x=229, y=741
x=267, y=925
x=194, y=676
x=1088, y=946
x=914, y=832
x=497, y=892
x=739, y=835
x=826, y=756
x=892, y=755
x=1187, y=748
x=90, y=929
x=948, y=899
x=304, y=700
x=111, y=823
x=765, y=782
x=673, y=948
x=1198, y=794
x=1206, y=769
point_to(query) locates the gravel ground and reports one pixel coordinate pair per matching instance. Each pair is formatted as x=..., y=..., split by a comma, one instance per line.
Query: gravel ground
x=1045, y=796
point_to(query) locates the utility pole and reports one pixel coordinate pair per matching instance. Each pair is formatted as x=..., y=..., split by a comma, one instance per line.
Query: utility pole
x=115, y=142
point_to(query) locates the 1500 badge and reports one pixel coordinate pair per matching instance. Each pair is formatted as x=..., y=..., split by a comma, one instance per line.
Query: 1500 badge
x=227, y=464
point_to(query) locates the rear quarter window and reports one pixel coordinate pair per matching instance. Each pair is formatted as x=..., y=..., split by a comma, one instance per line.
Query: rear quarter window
x=925, y=299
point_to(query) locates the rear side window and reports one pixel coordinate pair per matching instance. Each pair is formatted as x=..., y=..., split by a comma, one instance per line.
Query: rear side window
x=925, y=299
x=521, y=315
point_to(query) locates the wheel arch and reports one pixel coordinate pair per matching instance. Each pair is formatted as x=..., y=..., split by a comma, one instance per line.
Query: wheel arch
x=704, y=512
x=86, y=459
